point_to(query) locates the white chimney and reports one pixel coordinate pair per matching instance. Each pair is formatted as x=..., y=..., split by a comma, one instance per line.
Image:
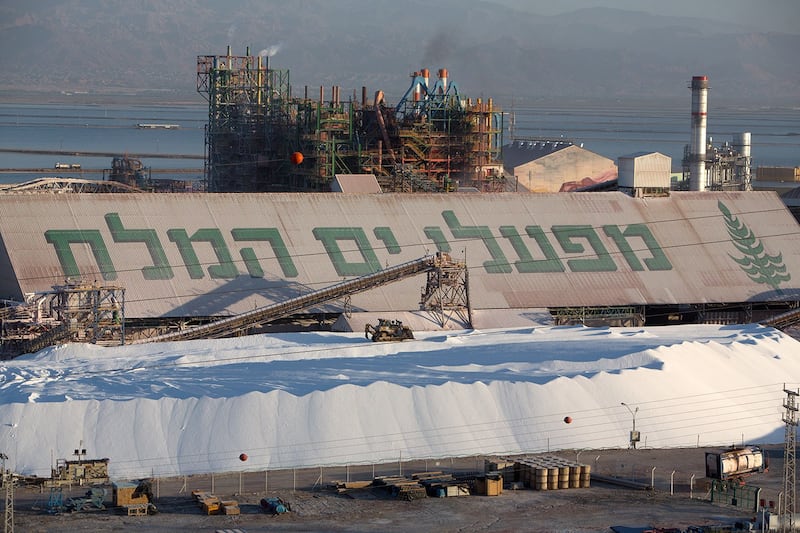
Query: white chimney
x=697, y=148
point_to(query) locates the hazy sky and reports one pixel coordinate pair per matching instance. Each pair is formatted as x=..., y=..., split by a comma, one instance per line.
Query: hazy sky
x=771, y=15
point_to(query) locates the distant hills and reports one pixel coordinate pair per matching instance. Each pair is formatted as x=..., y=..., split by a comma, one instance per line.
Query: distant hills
x=150, y=48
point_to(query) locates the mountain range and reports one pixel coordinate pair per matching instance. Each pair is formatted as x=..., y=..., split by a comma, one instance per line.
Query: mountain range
x=491, y=49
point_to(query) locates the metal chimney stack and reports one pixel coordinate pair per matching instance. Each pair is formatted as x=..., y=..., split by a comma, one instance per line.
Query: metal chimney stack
x=697, y=148
x=443, y=78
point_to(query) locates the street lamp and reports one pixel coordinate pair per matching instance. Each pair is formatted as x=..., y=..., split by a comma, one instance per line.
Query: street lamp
x=634, y=433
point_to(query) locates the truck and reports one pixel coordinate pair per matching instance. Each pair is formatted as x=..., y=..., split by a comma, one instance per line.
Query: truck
x=736, y=463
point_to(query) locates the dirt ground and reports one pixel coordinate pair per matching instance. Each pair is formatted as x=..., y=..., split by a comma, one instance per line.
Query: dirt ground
x=316, y=507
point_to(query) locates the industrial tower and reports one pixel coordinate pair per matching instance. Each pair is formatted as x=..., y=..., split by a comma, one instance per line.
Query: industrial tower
x=8, y=485
x=708, y=167
x=789, y=474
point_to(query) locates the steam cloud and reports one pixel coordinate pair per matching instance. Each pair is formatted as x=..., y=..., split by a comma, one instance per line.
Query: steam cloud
x=271, y=50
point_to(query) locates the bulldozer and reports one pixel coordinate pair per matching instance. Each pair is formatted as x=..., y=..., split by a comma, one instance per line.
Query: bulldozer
x=388, y=330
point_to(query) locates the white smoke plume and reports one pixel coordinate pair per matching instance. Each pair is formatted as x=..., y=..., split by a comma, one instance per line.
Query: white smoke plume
x=271, y=50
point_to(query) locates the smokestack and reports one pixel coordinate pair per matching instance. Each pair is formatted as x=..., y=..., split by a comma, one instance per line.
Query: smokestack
x=443, y=78
x=697, y=148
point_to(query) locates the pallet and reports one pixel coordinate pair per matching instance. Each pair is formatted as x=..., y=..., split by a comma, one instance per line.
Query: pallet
x=211, y=504
x=136, y=509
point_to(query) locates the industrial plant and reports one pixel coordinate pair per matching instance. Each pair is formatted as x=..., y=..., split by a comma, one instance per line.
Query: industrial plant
x=119, y=267
x=474, y=234
x=261, y=137
x=706, y=167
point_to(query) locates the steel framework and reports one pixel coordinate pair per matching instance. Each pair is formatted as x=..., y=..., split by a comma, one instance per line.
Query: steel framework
x=241, y=323
x=446, y=291
x=432, y=141
x=71, y=312
x=787, y=513
x=726, y=169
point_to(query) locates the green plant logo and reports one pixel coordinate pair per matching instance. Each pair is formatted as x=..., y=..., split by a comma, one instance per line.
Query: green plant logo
x=755, y=262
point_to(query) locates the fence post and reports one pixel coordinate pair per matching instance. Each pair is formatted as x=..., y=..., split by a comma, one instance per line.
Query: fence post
x=266, y=481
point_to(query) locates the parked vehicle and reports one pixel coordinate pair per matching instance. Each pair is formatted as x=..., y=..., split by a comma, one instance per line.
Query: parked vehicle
x=736, y=462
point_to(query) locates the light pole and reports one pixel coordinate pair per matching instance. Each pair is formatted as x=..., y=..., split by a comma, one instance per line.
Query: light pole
x=634, y=433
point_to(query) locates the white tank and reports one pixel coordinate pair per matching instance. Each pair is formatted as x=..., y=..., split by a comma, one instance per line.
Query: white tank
x=742, y=144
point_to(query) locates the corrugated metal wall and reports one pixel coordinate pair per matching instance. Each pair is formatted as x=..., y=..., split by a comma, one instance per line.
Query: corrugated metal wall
x=645, y=170
x=216, y=254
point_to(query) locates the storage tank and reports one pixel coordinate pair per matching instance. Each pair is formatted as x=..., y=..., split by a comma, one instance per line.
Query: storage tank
x=742, y=145
x=735, y=462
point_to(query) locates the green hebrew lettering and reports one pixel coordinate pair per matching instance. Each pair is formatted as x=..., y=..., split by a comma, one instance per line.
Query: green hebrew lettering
x=61, y=239
x=330, y=238
x=498, y=264
x=657, y=261
x=436, y=234
x=527, y=264
x=602, y=263
x=161, y=268
x=273, y=237
x=225, y=269
x=385, y=234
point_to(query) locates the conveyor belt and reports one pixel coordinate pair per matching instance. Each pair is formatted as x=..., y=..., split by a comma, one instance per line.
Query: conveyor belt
x=783, y=320
x=228, y=326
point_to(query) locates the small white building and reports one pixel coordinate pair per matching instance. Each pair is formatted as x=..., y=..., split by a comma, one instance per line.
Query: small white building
x=644, y=174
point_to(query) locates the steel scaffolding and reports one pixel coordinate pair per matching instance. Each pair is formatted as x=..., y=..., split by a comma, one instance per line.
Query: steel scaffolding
x=432, y=141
